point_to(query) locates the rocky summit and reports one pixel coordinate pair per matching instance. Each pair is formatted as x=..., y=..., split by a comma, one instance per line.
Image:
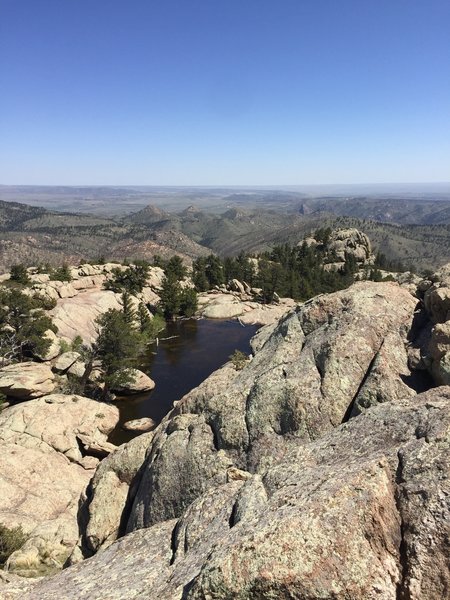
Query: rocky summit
x=318, y=470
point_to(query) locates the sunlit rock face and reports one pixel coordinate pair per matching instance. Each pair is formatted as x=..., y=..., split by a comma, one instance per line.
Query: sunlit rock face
x=318, y=470
x=50, y=448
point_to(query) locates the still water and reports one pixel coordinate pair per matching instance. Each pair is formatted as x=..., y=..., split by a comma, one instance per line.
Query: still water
x=194, y=350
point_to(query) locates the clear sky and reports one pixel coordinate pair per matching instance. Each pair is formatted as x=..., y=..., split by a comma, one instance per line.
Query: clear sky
x=205, y=92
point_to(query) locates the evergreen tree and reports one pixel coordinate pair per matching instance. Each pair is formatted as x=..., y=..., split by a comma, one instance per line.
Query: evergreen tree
x=128, y=310
x=199, y=278
x=23, y=324
x=147, y=326
x=118, y=346
x=170, y=297
x=208, y=272
x=132, y=280
x=214, y=270
x=188, y=302
x=19, y=274
x=175, y=268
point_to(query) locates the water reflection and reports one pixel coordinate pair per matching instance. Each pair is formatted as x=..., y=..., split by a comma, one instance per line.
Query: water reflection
x=191, y=351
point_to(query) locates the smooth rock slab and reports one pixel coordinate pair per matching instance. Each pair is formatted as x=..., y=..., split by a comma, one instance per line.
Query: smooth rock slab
x=76, y=316
x=26, y=380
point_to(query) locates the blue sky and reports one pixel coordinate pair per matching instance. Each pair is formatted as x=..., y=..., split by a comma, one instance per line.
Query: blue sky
x=214, y=92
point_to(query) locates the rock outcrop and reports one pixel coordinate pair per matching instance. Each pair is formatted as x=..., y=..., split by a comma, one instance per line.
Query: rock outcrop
x=106, y=497
x=26, y=380
x=81, y=301
x=319, y=470
x=432, y=341
x=225, y=304
x=350, y=515
x=331, y=357
x=76, y=316
x=343, y=245
x=308, y=374
x=45, y=467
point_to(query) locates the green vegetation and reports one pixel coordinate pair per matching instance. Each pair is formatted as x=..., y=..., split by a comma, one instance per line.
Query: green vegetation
x=117, y=347
x=174, y=268
x=61, y=273
x=131, y=280
x=11, y=539
x=45, y=302
x=147, y=326
x=23, y=324
x=286, y=270
x=128, y=310
x=64, y=346
x=176, y=300
x=239, y=359
x=19, y=274
x=123, y=337
x=77, y=343
x=208, y=272
x=417, y=232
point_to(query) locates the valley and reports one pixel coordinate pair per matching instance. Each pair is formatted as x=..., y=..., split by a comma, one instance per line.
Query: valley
x=413, y=228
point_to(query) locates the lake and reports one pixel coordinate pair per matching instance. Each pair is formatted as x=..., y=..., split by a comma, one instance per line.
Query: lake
x=193, y=350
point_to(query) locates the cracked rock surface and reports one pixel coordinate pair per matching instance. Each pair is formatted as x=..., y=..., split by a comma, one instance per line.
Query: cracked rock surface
x=320, y=470
x=302, y=382
x=44, y=469
x=354, y=514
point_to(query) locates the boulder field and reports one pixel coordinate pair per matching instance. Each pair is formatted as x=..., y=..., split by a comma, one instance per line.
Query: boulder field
x=319, y=470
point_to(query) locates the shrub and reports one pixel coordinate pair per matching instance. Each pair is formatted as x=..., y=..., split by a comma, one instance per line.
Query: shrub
x=77, y=343
x=19, y=274
x=11, y=539
x=23, y=324
x=45, y=302
x=239, y=359
x=64, y=346
x=61, y=274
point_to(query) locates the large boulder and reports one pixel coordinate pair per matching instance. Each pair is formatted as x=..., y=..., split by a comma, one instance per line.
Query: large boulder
x=223, y=310
x=50, y=448
x=436, y=294
x=63, y=363
x=214, y=305
x=138, y=384
x=101, y=515
x=26, y=380
x=361, y=513
x=433, y=344
x=345, y=243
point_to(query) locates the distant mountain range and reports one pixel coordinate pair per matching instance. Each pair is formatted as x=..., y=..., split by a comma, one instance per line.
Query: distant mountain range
x=414, y=230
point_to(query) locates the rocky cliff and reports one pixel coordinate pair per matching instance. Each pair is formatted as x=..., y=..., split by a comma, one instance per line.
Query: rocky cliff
x=319, y=470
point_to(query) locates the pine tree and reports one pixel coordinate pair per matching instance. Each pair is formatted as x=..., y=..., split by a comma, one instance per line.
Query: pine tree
x=19, y=274
x=118, y=346
x=128, y=309
x=170, y=297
